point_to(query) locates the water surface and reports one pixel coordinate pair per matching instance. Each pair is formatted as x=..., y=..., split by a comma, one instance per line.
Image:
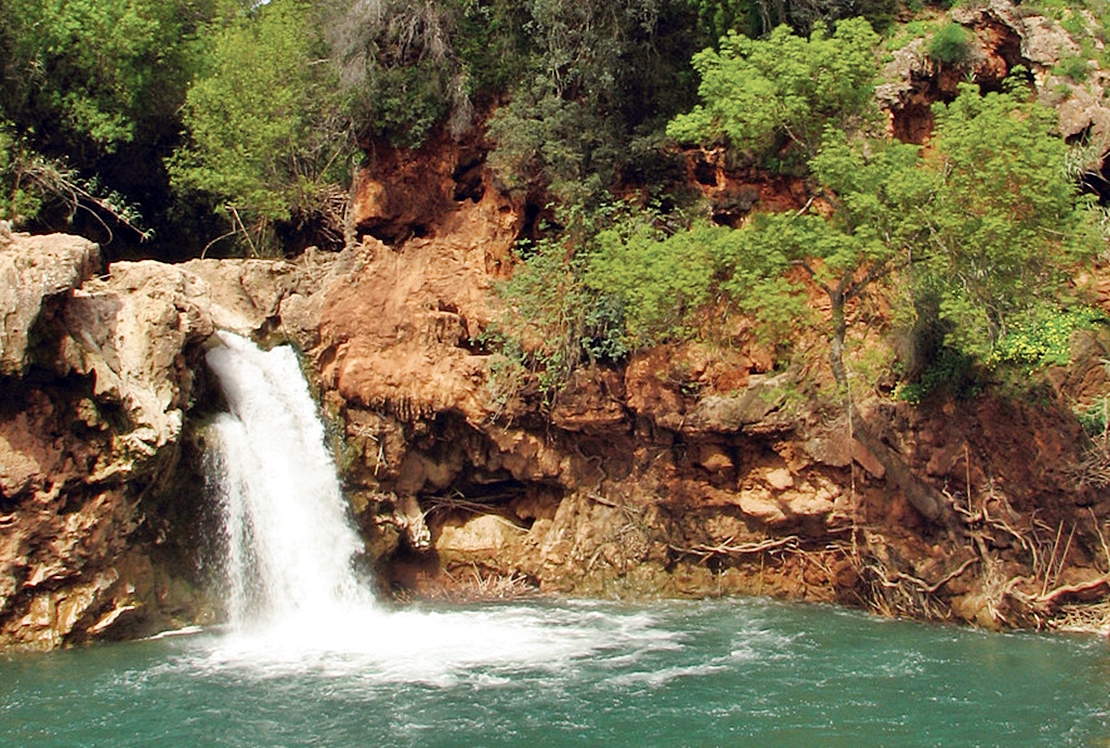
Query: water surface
x=571, y=674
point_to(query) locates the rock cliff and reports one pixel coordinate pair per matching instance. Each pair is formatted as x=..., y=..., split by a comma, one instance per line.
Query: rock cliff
x=688, y=470
x=97, y=504
x=691, y=470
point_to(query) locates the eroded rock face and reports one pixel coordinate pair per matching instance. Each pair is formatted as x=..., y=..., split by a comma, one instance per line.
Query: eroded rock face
x=397, y=327
x=1005, y=35
x=690, y=470
x=94, y=506
x=33, y=271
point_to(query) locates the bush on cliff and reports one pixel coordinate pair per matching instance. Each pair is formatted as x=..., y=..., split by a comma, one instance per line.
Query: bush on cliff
x=761, y=94
x=981, y=232
x=266, y=138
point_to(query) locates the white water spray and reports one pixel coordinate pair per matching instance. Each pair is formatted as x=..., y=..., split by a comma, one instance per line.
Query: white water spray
x=294, y=601
x=289, y=545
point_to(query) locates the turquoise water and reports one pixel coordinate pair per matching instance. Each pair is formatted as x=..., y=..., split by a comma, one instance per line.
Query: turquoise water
x=574, y=674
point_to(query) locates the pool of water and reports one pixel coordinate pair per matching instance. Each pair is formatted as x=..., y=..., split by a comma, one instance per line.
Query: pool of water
x=734, y=672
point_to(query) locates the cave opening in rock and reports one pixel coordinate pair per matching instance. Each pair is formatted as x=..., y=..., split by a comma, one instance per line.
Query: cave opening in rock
x=1097, y=181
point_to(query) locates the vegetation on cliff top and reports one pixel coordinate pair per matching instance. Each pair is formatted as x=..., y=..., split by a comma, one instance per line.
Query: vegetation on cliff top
x=228, y=126
x=190, y=117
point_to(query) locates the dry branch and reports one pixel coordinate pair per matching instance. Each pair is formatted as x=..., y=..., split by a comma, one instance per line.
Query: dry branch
x=727, y=549
x=897, y=577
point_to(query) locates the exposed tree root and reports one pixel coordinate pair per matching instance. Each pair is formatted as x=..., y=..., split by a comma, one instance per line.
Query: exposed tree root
x=727, y=548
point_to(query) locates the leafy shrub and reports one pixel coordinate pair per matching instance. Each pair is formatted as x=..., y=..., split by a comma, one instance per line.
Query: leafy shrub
x=951, y=44
x=551, y=320
x=1043, y=340
x=264, y=136
x=1076, y=67
x=951, y=372
x=661, y=281
x=756, y=93
x=1094, y=419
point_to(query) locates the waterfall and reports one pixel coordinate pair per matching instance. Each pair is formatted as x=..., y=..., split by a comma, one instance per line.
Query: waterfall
x=294, y=601
x=287, y=542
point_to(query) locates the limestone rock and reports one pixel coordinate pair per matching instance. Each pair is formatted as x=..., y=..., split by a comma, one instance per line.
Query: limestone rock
x=131, y=329
x=906, y=64
x=482, y=533
x=397, y=323
x=729, y=414
x=808, y=504
x=779, y=479
x=34, y=269
x=243, y=295
x=713, y=458
x=1083, y=112
x=762, y=506
x=75, y=451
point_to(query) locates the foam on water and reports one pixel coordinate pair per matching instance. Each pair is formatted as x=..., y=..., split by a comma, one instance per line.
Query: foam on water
x=438, y=648
x=294, y=599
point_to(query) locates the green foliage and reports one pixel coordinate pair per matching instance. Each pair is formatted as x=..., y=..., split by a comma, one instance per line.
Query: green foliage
x=90, y=73
x=1043, y=339
x=399, y=71
x=597, y=77
x=1076, y=67
x=91, y=96
x=264, y=135
x=950, y=372
x=951, y=44
x=30, y=181
x=716, y=18
x=552, y=320
x=544, y=138
x=21, y=201
x=1005, y=223
x=985, y=227
x=1095, y=419
x=661, y=281
x=908, y=32
x=758, y=17
x=756, y=94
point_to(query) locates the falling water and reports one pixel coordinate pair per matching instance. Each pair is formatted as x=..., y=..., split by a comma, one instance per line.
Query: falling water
x=295, y=603
x=289, y=546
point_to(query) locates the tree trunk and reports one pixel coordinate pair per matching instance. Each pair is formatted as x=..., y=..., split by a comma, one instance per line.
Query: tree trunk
x=922, y=497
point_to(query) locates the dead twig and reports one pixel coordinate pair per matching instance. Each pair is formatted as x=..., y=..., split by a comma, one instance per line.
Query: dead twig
x=726, y=548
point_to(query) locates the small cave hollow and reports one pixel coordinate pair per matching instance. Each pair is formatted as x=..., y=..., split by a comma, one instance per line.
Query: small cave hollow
x=1097, y=182
x=705, y=173
x=469, y=181
x=392, y=233
x=913, y=123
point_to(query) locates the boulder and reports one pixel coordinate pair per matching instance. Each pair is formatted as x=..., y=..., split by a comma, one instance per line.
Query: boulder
x=34, y=269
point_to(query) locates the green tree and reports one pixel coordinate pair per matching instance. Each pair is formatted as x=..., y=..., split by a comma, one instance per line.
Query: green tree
x=91, y=90
x=266, y=140
x=88, y=74
x=662, y=281
x=1006, y=225
x=598, y=78
x=399, y=70
x=759, y=94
